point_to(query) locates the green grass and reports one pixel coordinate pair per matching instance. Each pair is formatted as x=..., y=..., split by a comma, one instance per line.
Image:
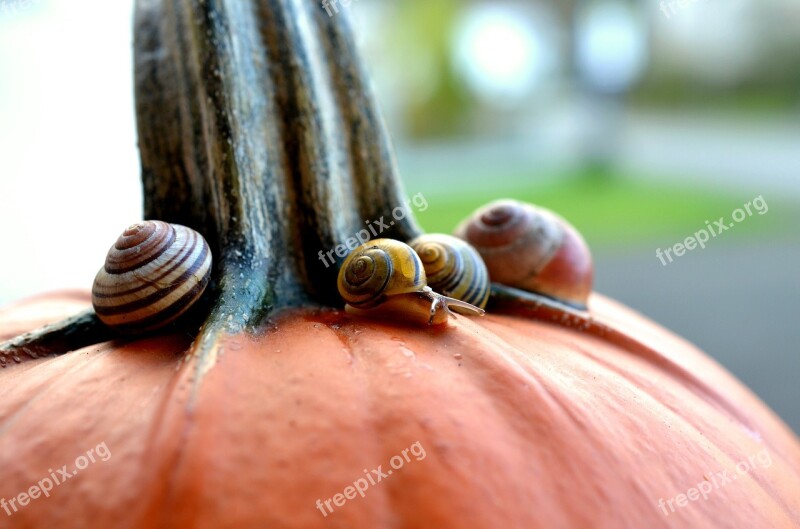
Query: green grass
x=620, y=211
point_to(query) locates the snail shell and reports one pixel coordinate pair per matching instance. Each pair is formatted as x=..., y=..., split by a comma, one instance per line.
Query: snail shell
x=379, y=269
x=386, y=278
x=531, y=248
x=152, y=274
x=453, y=267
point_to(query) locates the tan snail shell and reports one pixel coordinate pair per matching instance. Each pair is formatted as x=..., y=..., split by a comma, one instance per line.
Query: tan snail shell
x=531, y=248
x=152, y=274
x=386, y=278
x=453, y=268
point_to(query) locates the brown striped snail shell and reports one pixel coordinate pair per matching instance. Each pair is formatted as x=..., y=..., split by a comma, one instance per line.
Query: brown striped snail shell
x=453, y=268
x=385, y=278
x=531, y=248
x=152, y=274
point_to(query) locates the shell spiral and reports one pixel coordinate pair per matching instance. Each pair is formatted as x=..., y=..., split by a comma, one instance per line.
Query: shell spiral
x=377, y=269
x=152, y=274
x=531, y=248
x=453, y=267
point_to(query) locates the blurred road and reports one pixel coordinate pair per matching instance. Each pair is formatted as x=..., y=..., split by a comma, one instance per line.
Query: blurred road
x=693, y=297
x=712, y=151
x=716, y=151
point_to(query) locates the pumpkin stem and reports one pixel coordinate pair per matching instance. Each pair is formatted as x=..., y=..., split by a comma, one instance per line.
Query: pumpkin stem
x=257, y=128
x=73, y=333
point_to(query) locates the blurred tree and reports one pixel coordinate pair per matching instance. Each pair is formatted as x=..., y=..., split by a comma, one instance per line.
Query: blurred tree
x=443, y=110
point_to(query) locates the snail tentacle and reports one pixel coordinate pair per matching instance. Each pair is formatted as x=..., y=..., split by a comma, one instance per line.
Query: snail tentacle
x=454, y=268
x=387, y=278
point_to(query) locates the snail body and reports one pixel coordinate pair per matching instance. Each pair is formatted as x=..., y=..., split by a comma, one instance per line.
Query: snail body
x=453, y=267
x=531, y=248
x=386, y=278
x=152, y=274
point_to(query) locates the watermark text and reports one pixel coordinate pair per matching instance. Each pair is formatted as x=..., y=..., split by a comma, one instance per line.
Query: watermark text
x=371, y=478
x=715, y=480
x=702, y=236
x=57, y=477
x=373, y=229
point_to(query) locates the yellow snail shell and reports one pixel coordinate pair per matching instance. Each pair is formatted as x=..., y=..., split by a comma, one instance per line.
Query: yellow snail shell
x=453, y=268
x=152, y=274
x=385, y=278
x=531, y=248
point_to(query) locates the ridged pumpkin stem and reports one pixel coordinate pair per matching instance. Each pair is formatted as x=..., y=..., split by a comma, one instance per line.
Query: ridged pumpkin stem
x=257, y=128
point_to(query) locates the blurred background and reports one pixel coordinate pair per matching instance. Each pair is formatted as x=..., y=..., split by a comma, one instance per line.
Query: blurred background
x=636, y=120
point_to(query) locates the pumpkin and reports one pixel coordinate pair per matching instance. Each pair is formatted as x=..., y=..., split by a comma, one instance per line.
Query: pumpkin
x=521, y=423
x=269, y=406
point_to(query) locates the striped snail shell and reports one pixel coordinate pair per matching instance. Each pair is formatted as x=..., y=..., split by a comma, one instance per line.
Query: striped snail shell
x=531, y=248
x=152, y=274
x=386, y=278
x=453, y=267
x=378, y=269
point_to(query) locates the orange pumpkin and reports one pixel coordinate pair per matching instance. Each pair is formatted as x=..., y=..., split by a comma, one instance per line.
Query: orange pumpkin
x=256, y=128
x=522, y=423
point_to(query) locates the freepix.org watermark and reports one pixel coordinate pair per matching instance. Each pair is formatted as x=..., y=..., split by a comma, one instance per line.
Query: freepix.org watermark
x=375, y=228
x=671, y=7
x=14, y=6
x=715, y=480
x=371, y=478
x=332, y=6
x=702, y=236
x=57, y=477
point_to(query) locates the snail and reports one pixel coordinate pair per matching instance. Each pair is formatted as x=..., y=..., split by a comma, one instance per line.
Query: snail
x=531, y=248
x=152, y=274
x=386, y=278
x=453, y=267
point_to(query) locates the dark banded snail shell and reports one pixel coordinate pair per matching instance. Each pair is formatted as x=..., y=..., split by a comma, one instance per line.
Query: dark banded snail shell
x=386, y=278
x=453, y=267
x=152, y=274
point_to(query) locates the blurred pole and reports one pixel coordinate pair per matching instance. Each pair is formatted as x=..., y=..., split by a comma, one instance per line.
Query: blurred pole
x=609, y=54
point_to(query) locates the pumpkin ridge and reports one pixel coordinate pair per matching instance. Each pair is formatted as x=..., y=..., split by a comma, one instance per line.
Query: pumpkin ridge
x=51, y=384
x=635, y=342
x=175, y=412
x=654, y=356
x=678, y=374
x=732, y=453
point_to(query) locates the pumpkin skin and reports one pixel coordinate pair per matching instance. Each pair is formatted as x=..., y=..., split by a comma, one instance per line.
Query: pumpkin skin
x=524, y=424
